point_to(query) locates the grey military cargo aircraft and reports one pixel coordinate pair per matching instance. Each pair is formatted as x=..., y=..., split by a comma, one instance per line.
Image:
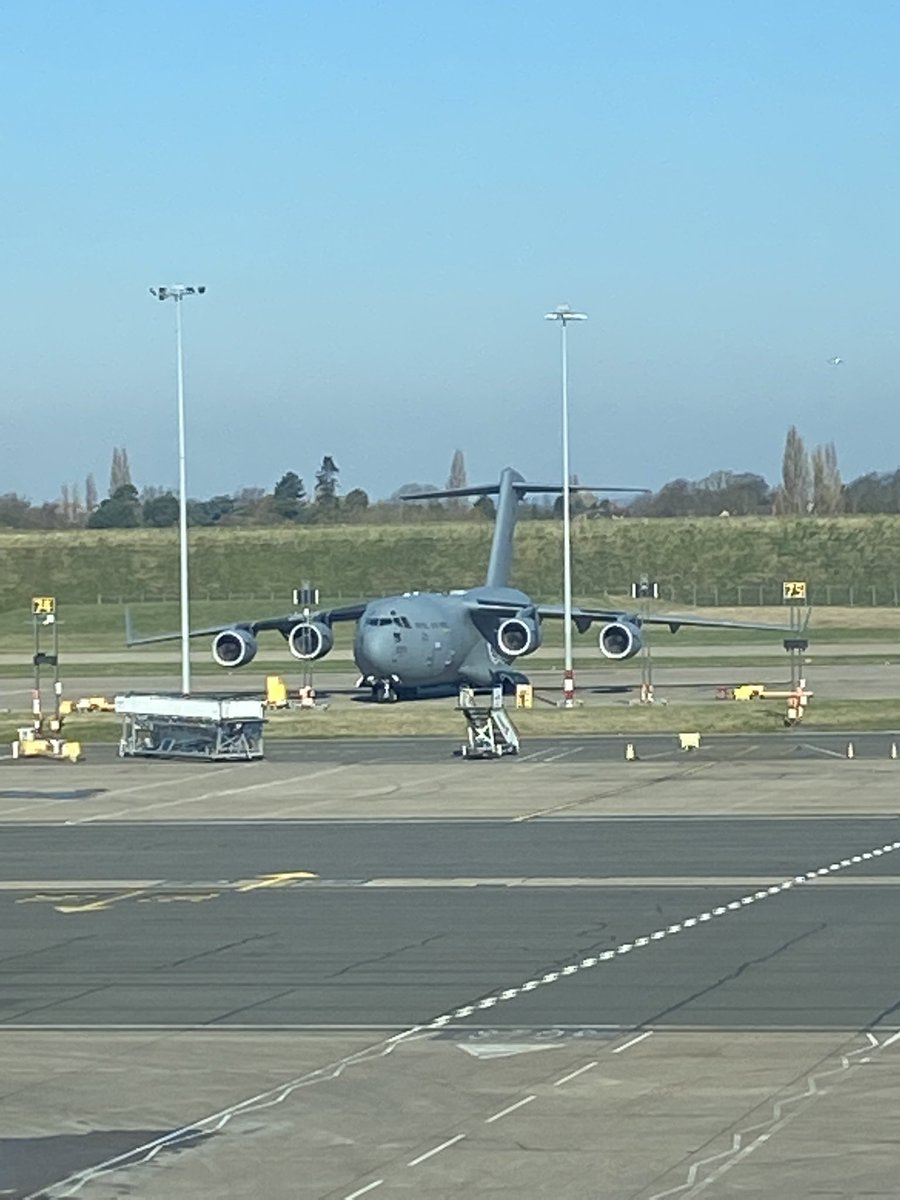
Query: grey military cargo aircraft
x=423, y=644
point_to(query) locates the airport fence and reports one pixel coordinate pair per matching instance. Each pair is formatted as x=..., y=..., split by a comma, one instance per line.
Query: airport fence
x=712, y=595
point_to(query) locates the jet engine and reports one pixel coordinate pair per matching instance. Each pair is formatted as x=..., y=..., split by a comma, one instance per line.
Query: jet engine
x=310, y=639
x=234, y=647
x=518, y=635
x=620, y=639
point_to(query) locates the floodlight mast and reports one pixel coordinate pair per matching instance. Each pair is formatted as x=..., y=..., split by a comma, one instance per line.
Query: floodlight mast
x=564, y=314
x=177, y=292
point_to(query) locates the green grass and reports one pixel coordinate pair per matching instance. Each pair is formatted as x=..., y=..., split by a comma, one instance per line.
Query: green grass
x=441, y=718
x=356, y=560
x=769, y=665
x=90, y=626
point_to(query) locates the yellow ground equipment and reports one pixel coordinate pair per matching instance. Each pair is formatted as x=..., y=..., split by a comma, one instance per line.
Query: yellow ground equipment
x=524, y=695
x=43, y=738
x=86, y=704
x=31, y=744
x=276, y=692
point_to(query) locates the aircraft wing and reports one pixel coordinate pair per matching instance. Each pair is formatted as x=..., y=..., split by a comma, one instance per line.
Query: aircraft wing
x=583, y=618
x=327, y=616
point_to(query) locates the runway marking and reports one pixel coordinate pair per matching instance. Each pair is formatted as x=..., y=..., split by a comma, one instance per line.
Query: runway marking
x=594, y=960
x=280, y=879
x=634, y=1041
x=277, y=1095
x=504, y=1112
x=98, y=905
x=437, y=1150
x=362, y=1191
x=740, y=1148
x=574, y=1074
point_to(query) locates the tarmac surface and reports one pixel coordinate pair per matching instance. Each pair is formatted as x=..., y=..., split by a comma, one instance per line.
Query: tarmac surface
x=368, y=968
x=598, y=682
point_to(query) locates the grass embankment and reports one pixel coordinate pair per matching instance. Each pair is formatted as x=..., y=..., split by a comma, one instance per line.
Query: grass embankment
x=359, y=560
x=423, y=719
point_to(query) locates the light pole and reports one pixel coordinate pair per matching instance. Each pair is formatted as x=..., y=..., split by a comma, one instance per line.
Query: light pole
x=564, y=315
x=177, y=292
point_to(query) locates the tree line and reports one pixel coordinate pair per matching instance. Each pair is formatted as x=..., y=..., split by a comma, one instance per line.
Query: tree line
x=810, y=484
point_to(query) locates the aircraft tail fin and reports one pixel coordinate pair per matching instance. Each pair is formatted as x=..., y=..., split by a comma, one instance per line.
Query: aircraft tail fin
x=509, y=490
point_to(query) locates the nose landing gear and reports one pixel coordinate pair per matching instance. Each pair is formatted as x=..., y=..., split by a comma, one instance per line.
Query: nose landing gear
x=384, y=691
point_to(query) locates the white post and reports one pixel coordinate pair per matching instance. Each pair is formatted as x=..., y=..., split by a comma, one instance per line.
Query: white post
x=569, y=669
x=564, y=315
x=182, y=513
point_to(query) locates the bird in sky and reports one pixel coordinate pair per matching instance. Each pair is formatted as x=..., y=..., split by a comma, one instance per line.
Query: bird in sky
x=836, y=361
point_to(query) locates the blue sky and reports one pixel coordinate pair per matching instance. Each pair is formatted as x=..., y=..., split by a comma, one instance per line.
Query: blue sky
x=383, y=198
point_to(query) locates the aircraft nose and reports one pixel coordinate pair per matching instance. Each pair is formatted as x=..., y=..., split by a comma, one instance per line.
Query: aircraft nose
x=376, y=650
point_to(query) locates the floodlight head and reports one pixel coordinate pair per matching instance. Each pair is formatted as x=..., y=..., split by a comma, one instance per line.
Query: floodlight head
x=564, y=313
x=201, y=289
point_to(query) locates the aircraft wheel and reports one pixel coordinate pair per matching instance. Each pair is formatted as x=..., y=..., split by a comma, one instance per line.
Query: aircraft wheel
x=384, y=692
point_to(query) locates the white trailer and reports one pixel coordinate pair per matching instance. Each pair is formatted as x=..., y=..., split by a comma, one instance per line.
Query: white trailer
x=212, y=727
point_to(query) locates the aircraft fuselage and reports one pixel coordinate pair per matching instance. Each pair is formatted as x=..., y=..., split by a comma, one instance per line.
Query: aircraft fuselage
x=422, y=641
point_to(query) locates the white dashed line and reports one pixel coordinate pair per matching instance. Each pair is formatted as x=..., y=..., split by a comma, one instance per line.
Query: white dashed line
x=634, y=1041
x=574, y=1074
x=369, y=1187
x=504, y=1112
x=437, y=1149
x=277, y=1095
x=657, y=935
x=362, y=1191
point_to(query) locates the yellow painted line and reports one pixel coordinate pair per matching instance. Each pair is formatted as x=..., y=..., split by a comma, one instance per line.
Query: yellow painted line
x=279, y=879
x=178, y=897
x=96, y=905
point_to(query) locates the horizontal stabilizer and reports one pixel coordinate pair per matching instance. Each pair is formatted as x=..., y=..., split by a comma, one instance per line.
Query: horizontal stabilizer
x=520, y=487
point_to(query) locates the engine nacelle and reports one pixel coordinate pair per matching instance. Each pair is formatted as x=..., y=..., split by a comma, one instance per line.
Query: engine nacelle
x=620, y=639
x=234, y=647
x=517, y=636
x=309, y=640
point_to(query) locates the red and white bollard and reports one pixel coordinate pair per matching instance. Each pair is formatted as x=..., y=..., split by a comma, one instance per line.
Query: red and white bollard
x=569, y=689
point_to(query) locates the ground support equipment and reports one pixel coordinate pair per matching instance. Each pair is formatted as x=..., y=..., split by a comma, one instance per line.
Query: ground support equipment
x=490, y=732
x=214, y=728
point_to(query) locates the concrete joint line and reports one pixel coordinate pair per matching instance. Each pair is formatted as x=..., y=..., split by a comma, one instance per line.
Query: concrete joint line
x=702, y=1174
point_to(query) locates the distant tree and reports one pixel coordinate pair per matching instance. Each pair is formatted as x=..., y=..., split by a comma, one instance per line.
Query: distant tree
x=90, y=494
x=827, y=488
x=160, y=512
x=457, y=479
x=77, y=507
x=120, y=471
x=121, y=511
x=14, y=511
x=289, y=497
x=874, y=493
x=218, y=509
x=327, y=482
x=410, y=489
x=48, y=515
x=485, y=507
x=794, y=497
x=355, y=502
